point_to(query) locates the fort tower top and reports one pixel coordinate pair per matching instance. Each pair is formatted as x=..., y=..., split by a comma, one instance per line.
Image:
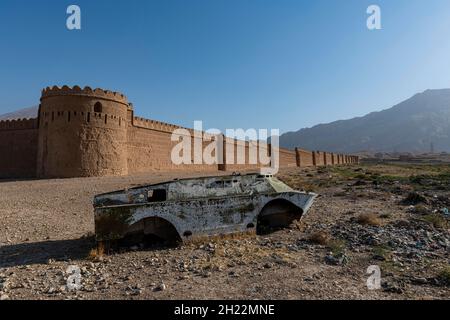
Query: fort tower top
x=86, y=131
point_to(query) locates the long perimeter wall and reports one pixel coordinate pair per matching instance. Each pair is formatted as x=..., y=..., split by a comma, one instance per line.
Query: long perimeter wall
x=86, y=132
x=18, y=148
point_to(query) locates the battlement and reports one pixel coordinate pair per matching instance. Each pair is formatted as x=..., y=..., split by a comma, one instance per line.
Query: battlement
x=154, y=125
x=19, y=124
x=86, y=91
x=165, y=127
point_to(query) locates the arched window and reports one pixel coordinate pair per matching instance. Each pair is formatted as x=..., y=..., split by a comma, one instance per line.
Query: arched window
x=98, y=107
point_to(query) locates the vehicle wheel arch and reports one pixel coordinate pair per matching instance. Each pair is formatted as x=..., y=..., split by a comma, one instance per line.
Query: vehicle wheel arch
x=277, y=213
x=162, y=226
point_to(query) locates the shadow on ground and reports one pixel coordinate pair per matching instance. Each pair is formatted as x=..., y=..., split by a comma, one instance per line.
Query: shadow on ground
x=40, y=252
x=6, y=180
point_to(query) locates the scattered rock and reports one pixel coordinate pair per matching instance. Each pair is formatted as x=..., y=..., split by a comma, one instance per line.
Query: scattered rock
x=161, y=287
x=360, y=183
x=419, y=281
x=335, y=261
x=392, y=288
x=134, y=290
x=4, y=297
x=4, y=284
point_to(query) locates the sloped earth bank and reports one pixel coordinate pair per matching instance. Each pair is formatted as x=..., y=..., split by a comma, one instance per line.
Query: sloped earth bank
x=390, y=216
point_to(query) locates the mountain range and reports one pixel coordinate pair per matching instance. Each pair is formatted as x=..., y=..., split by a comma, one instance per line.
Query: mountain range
x=25, y=113
x=419, y=124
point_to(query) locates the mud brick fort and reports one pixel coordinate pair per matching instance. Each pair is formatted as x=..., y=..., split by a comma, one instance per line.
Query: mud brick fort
x=85, y=132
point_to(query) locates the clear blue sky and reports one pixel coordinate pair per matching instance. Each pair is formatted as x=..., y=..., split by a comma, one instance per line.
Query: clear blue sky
x=231, y=63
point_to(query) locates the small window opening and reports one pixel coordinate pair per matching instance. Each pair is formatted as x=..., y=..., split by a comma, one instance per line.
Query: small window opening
x=98, y=107
x=227, y=184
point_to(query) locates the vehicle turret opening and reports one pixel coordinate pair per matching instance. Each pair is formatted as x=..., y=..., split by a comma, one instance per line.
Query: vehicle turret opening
x=157, y=195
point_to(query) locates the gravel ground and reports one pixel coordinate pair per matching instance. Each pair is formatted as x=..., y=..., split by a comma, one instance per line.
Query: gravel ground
x=47, y=226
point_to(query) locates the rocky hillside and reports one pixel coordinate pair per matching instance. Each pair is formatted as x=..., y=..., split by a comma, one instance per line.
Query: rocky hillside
x=20, y=114
x=411, y=126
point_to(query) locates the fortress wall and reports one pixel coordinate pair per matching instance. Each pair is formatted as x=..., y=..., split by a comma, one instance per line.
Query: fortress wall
x=265, y=151
x=149, y=148
x=18, y=148
x=306, y=158
x=243, y=155
x=233, y=161
x=208, y=147
x=85, y=132
x=328, y=158
x=288, y=158
x=319, y=158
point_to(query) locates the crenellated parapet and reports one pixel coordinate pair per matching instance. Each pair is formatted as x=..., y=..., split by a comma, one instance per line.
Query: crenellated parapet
x=86, y=91
x=155, y=125
x=19, y=124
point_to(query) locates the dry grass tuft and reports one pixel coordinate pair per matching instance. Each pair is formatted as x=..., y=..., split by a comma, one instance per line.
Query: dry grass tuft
x=368, y=219
x=320, y=237
x=438, y=221
x=444, y=276
x=97, y=253
x=337, y=246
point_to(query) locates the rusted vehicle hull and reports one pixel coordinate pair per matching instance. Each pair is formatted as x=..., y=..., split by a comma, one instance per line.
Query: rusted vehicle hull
x=131, y=212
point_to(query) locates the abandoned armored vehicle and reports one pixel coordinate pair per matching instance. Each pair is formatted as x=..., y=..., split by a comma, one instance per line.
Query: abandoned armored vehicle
x=188, y=209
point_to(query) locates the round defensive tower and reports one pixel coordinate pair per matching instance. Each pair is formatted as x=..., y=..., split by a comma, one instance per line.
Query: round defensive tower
x=82, y=132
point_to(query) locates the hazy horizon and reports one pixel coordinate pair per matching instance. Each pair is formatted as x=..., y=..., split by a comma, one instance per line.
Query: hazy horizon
x=281, y=131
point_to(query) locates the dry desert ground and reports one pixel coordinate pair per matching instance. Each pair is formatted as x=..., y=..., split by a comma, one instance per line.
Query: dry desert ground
x=390, y=215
